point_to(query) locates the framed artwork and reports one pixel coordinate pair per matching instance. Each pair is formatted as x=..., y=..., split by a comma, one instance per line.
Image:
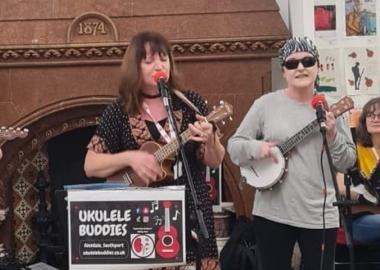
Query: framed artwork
x=325, y=17
x=329, y=66
x=361, y=67
x=360, y=18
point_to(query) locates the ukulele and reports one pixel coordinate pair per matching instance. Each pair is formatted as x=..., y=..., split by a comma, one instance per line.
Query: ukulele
x=165, y=154
x=211, y=185
x=167, y=246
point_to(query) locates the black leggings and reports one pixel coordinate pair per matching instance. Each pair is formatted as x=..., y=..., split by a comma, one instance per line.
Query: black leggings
x=275, y=243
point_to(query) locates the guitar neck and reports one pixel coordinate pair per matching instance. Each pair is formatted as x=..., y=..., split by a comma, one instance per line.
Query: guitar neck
x=289, y=144
x=167, y=220
x=170, y=148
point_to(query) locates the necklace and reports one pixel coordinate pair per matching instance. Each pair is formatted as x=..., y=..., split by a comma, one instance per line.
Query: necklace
x=150, y=96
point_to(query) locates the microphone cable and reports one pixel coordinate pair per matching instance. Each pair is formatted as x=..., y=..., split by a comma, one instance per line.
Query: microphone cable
x=324, y=191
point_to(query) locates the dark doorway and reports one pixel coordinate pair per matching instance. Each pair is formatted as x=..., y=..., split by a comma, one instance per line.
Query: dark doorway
x=66, y=158
x=66, y=154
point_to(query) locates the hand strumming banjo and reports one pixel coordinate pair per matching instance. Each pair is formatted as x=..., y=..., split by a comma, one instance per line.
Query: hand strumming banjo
x=264, y=173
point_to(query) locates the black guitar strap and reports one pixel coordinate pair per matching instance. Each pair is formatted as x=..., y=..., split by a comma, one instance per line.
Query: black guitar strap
x=186, y=100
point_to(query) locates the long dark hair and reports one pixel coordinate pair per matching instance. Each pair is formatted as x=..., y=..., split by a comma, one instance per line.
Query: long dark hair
x=362, y=135
x=130, y=82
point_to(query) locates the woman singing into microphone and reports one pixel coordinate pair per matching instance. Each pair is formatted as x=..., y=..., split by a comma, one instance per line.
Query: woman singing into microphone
x=139, y=116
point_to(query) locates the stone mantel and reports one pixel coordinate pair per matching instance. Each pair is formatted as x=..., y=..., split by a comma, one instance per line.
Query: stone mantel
x=111, y=53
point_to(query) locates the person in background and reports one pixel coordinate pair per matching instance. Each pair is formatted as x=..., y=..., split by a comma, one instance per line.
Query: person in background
x=366, y=216
x=293, y=210
x=139, y=116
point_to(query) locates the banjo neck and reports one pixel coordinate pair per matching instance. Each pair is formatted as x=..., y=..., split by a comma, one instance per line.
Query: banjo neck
x=289, y=144
x=342, y=106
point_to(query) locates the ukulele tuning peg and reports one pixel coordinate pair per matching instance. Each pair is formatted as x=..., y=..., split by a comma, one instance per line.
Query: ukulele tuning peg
x=206, y=101
x=221, y=102
x=223, y=123
x=230, y=118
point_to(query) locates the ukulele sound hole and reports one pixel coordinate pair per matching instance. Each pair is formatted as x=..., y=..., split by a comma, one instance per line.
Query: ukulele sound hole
x=167, y=241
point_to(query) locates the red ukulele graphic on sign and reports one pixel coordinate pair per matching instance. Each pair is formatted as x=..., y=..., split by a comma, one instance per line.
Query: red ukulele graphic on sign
x=167, y=245
x=211, y=184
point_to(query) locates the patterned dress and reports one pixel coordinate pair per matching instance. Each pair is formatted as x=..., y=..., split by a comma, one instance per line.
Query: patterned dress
x=119, y=131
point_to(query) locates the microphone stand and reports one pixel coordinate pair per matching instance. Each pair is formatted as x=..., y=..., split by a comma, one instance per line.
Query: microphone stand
x=344, y=206
x=181, y=150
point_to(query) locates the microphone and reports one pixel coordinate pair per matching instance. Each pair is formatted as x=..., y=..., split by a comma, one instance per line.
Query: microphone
x=160, y=77
x=318, y=103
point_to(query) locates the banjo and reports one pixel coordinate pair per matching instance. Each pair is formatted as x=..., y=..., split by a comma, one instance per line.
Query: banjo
x=264, y=173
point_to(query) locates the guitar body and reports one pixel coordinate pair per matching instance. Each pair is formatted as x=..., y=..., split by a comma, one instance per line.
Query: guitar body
x=167, y=246
x=150, y=147
x=265, y=173
x=367, y=191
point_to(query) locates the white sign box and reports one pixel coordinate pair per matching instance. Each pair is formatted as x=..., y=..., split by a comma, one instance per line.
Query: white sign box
x=133, y=228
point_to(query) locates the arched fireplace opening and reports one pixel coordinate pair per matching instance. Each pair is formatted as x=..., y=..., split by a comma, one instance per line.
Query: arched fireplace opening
x=66, y=154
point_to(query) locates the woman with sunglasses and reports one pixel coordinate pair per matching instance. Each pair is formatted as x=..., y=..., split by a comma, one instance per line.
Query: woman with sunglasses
x=366, y=215
x=295, y=210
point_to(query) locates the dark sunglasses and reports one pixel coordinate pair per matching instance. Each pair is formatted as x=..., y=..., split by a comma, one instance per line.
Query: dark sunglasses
x=306, y=62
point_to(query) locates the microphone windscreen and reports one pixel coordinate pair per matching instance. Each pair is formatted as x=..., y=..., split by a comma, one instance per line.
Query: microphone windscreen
x=160, y=75
x=317, y=100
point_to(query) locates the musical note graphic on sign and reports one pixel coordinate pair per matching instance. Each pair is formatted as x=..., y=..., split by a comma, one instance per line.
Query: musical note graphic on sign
x=177, y=213
x=157, y=220
x=154, y=206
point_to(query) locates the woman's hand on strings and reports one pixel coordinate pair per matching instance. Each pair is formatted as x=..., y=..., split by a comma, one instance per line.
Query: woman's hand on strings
x=201, y=130
x=146, y=166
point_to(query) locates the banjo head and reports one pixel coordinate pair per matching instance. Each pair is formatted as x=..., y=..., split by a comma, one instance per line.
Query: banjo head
x=265, y=173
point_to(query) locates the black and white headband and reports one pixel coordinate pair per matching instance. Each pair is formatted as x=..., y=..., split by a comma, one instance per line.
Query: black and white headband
x=297, y=44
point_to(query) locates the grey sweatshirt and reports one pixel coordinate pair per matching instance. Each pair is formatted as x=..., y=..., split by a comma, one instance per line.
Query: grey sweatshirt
x=298, y=201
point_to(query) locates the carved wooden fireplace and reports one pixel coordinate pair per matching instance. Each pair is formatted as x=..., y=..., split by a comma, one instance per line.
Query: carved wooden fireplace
x=59, y=64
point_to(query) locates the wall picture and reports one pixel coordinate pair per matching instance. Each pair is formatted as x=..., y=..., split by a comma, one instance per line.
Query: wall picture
x=361, y=67
x=325, y=17
x=329, y=71
x=360, y=17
